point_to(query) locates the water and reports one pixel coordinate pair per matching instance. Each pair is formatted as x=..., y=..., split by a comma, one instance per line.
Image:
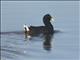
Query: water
x=64, y=44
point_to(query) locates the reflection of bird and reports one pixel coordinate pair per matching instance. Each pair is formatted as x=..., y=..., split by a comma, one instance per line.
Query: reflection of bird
x=47, y=42
x=48, y=28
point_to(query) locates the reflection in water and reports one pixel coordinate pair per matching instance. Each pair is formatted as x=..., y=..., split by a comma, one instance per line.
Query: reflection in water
x=47, y=41
x=11, y=32
x=46, y=37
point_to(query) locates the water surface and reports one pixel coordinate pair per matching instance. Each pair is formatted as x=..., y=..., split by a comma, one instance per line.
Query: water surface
x=64, y=45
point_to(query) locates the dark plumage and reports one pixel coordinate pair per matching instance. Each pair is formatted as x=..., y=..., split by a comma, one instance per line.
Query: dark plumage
x=46, y=29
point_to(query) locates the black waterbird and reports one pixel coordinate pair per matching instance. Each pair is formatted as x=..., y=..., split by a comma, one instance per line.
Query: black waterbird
x=46, y=29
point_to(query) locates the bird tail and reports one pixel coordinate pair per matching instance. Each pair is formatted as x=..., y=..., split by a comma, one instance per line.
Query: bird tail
x=26, y=28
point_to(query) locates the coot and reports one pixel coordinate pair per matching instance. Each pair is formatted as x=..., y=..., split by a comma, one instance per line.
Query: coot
x=46, y=29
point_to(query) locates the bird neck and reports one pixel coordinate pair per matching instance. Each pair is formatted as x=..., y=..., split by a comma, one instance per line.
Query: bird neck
x=49, y=26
